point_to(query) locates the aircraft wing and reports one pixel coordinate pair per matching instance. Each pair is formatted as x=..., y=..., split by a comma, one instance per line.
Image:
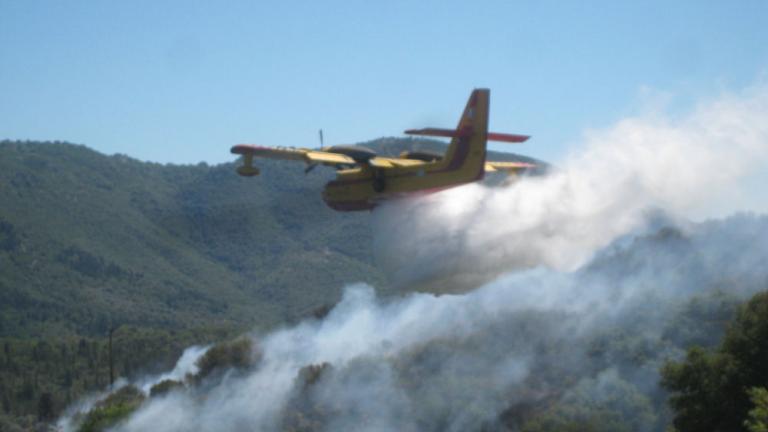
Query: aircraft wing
x=383, y=162
x=289, y=153
x=507, y=166
x=315, y=156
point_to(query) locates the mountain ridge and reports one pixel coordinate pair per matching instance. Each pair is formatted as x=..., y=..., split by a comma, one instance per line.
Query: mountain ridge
x=89, y=240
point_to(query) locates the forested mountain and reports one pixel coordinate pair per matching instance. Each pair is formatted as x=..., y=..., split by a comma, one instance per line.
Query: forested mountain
x=494, y=359
x=88, y=241
x=168, y=255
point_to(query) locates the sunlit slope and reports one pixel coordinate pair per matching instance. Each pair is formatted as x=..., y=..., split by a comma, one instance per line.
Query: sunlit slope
x=88, y=239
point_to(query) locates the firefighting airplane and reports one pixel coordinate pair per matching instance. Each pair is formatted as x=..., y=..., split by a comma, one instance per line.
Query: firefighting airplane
x=364, y=180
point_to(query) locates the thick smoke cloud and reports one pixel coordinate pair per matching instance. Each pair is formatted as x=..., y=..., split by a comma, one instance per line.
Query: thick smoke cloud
x=184, y=366
x=592, y=268
x=692, y=166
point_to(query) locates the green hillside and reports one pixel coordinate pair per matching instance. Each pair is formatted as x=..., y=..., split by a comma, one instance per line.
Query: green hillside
x=88, y=239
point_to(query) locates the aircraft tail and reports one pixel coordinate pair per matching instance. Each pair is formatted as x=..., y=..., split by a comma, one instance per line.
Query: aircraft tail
x=466, y=153
x=465, y=157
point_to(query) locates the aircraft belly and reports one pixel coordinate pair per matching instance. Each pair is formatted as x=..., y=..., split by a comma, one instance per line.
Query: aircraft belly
x=352, y=195
x=357, y=192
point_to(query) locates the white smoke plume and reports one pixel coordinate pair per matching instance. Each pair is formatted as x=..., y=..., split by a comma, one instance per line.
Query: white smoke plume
x=691, y=167
x=579, y=266
x=185, y=365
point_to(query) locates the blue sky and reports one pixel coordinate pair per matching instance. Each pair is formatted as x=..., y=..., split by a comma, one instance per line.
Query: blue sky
x=182, y=81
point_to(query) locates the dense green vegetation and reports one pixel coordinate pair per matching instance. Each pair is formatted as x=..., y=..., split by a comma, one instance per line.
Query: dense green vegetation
x=116, y=407
x=169, y=255
x=40, y=377
x=718, y=390
x=560, y=397
x=88, y=241
x=758, y=415
x=230, y=356
x=237, y=354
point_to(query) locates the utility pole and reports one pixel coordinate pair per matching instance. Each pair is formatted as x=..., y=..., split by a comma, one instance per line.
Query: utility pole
x=111, y=359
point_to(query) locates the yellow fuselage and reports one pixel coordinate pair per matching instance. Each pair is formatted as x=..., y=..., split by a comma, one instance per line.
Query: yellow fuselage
x=365, y=186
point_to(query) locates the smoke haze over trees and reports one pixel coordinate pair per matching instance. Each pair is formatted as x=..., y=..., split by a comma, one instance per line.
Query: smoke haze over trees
x=171, y=255
x=578, y=287
x=598, y=277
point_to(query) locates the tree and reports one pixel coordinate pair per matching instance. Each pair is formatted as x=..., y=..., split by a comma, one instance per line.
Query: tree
x=710, y=390
x=6, y=403
x=237, y=354
x=45, y=409
x=758, y=416
x=164, y=387
x=116, y=407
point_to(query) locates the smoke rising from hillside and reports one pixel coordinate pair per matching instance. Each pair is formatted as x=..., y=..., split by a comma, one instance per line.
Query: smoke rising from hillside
x=690, y=167
x=581, y=264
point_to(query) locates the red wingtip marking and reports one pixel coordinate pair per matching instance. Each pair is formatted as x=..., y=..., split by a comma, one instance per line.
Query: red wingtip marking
x=512, y=138
x=242, y=149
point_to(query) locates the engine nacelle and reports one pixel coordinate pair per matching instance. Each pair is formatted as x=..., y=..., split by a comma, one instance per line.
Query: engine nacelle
x=248, y=171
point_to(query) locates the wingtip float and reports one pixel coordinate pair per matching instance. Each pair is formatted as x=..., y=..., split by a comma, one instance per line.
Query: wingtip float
x=364, y=179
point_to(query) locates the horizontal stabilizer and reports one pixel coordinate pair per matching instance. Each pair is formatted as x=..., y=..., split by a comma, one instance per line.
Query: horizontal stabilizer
x=448, y=133
x=510, y=138
x=454, y=133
